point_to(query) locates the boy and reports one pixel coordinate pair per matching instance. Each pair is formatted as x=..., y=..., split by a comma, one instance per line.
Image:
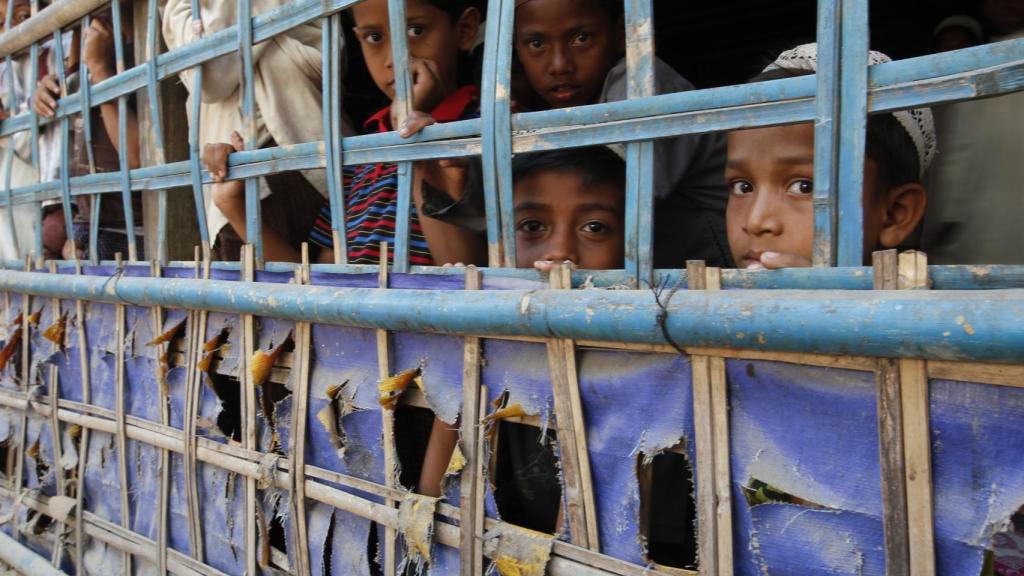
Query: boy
x=770, y=174
x=437, y=32
x=569, y=207
x=570, y=52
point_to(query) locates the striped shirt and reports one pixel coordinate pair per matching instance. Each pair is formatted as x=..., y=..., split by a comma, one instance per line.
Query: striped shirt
x=371, y=196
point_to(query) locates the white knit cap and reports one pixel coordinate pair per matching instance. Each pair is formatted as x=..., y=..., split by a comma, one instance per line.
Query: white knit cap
x=917, y=122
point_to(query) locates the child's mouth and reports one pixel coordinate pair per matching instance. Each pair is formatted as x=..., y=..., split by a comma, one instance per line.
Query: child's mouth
x=564, y=92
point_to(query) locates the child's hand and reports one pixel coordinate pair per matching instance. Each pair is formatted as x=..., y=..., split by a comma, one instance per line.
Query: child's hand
x=99, y=50
x=777, y=260
x=427, y=89
x=47, y=91
x=228, y=196
x=545, y=266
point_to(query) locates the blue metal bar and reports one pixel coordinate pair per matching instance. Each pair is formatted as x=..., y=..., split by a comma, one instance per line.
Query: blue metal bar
x=331, y=46
x=9, y=152
x=65, y=133
x=374, y=148
x=639, y=225
x=899, y=323
x=852, y=131
x=401, y=106
x=85, y=94
x=253, y=219
x=153, y=85
x=826, y=133
x=500, y=127
x=488, y=153
x=194, y=163
x=122, y=137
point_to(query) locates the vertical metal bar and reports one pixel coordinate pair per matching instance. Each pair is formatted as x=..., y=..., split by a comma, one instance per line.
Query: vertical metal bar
x=153, y=85
x=253, y=220
x=85, y=90
x=402, y=105
x=122, y=136
x=501, y=130
x=639, y=20
x=498, y=17
x=853, y=111
x=65, y=165
x=331, y=44
x=193, y=143
x=33, y=80
x=826, y=134
x=9, y=152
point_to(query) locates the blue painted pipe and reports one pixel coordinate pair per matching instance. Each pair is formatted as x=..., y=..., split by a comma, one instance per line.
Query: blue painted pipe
x=951, y=325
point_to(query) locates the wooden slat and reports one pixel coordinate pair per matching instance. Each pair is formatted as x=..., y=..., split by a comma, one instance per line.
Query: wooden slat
x=704, y=441
x=119, y=395
x=471, y=564
x=720, y=427
x=572, y=439
x=193, y=391
x=913, y=275
x=164, y=486
x=83, y=443
x=297, y=440
x=890, y=437
x=388, y=558
x=54, y=396
x=248, y=416
x=981, y=373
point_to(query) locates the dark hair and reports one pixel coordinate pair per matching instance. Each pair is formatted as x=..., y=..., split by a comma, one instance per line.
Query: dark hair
x=455, y=8
x=888, y=143
x=594, y=165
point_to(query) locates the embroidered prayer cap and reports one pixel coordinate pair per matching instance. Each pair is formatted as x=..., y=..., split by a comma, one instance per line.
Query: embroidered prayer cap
x=917, y=122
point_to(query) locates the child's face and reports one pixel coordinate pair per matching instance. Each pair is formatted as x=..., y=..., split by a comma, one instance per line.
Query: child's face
x=770, y=217
x=22, y=11
x=566, y=48
x=558, y=219
x=432, y=37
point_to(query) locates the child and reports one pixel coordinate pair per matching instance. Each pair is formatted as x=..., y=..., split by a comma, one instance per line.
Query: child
x=437, y=31
x=98, y=55
x=569, y=207
x=570, y=51
x=770, y=173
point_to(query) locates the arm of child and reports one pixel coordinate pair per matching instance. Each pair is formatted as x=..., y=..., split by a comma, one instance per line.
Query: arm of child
x=99, y=57
x=443, y=439
x=229, y=197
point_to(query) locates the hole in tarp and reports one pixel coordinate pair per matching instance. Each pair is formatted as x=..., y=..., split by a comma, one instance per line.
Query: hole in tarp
x=328, y=547
x=276, y=532
x=229, y=392
x=271, y=393
x=1005, y=555
x=373, y=551
x=527, y=488
x=412, y=434
x=760, y=492
x=667, y=509
x=39, y=522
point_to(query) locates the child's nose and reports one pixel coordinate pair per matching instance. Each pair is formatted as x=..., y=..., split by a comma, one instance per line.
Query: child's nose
x=560, y=249
x=764, y=216
x=561, y=61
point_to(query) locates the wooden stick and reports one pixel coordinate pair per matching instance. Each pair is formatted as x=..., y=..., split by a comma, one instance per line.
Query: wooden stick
x=26, y=369
x=890, y=437
x=193, y=390
x=470, y=564
x=54, y=396
x=83, y=444
x=297, y=448
x=913, y=275
x=704, y=432
x=571, y=430
x=248, y=416
x=720, y=427
x=480, y=490
x=164, y=488
x=121, y=439
x=388, y=419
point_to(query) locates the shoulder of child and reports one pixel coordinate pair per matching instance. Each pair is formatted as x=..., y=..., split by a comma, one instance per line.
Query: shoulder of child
x=666, y=81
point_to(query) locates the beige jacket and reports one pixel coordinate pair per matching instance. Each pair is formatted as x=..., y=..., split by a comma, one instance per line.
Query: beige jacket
x=287, y=85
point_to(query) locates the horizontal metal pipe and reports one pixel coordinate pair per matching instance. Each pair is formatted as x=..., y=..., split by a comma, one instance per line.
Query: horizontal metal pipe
x=947, y=325
x=23, y=560
x=45, y=23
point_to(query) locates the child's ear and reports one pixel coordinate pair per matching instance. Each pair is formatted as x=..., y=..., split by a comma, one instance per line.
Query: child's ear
x=467, y=28
x=904, y=208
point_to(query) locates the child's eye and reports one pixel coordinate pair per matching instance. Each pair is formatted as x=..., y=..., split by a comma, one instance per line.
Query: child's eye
x=741, y=187
x=530, y=226
x=373, y=37
x=416, y=31
x=582, y=38
x=596, y=227
x=801, y=187
x=535, y=44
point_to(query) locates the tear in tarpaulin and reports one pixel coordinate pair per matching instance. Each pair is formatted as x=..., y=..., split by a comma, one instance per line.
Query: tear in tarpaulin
x=518, y=551
x=416, y=524
x=391, y=389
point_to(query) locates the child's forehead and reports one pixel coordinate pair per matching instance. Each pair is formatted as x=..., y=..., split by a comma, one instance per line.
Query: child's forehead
x=559, y=12
x=790, y=137
x=375, y=12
